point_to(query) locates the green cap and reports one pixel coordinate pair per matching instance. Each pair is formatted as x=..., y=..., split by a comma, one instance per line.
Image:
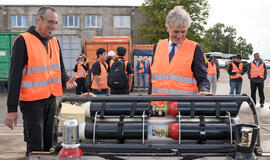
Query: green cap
x=166, y=108
x=167, y=131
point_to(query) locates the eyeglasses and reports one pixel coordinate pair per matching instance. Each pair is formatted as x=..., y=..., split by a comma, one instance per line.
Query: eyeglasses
x=80, y=58
x=51, y=22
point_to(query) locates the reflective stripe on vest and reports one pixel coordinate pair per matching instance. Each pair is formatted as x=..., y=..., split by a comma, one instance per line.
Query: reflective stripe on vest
x=176, y=77
x=237, y=70
x=40, y=69
x=171, y=91
x=102, y=78
x=81, y=73
x=257, y=71
x=40, y=83
x=211, y=69
x=41, y=76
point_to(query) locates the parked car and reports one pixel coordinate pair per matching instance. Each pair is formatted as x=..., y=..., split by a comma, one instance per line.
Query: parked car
x=267, y=64
x=222, y=62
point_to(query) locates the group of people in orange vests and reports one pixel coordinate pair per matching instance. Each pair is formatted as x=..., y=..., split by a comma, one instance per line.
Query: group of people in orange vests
x=256, y=70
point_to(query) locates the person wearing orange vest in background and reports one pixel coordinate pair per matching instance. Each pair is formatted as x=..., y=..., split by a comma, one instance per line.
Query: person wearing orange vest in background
x=257, y=73
x=235, y=71
x=212, y=73
x=100, y=72
x=81, y=69
x=110, y=57
x=178, y=64
x=127, y=82
x=142, y=68
x=36, y=76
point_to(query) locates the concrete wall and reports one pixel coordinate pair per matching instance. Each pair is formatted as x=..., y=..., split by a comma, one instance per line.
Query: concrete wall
x=107, y=14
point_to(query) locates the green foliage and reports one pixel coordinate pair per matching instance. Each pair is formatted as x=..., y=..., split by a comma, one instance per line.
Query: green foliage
x=221, y=38
x=153, y=29
x=243, y=48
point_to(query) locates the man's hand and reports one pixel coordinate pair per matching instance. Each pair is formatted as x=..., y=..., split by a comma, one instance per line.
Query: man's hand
x=11, y=119
x=205, y=93
x=98, y=88
x=71, y=83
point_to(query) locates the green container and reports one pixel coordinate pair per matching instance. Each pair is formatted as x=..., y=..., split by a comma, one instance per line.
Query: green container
x=6, y=44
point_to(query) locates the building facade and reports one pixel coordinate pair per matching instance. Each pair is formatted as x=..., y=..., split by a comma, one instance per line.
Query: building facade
x=86, y=21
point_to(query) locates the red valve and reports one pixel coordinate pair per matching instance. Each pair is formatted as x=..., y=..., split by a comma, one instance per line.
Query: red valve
x=173, y=131
x=70, y=154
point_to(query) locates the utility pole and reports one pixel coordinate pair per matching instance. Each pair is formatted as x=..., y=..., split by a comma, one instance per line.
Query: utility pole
x=229, y=46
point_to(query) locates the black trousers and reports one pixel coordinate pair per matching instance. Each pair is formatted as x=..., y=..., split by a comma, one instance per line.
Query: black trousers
x=80, y=86
x=253, y=88
x=38, y=119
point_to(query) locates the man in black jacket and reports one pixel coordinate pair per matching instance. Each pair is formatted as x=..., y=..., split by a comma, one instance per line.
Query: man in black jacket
x=257, y=73
x=121, y=52
x=235, y=71
x=27, y=81
x=177, y=23
x=81, y=69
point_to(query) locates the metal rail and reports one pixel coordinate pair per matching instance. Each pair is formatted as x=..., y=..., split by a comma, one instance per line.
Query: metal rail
x=147, y=98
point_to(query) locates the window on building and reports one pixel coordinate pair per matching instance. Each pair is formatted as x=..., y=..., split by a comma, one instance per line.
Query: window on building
x=19, y=21
x=34, y=20
x=121, y=21
x=93, y=21
x=71, y=21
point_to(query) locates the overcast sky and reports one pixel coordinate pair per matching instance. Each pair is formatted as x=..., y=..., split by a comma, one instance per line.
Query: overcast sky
x=250, y=18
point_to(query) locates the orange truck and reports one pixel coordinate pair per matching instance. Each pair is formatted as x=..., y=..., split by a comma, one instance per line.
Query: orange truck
x=111, y=43
x=108, y=43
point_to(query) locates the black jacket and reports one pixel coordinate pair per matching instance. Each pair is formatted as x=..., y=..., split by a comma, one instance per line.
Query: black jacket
x=85, y=67
x=257, y=79
x=233, y=73
x=18, y=60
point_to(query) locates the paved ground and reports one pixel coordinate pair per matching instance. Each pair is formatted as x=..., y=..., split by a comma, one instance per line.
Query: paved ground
x=13, y=147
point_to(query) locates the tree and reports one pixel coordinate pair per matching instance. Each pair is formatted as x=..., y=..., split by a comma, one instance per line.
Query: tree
x=243, y=48
x=214, y=39
x=230, y=44
x=221, y=38
x=153, y=29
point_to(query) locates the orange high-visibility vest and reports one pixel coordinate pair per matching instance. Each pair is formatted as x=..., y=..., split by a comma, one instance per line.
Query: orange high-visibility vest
x=257, y=71
x=81, y=73
x=237, y=70
x=176, y=77
x=102, y=78
x=41, y=76
x=141, y=66
x=211, y=69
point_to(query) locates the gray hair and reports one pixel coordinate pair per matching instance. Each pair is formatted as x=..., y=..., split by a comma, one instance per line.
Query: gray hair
x=42, y=11
x=178, y=16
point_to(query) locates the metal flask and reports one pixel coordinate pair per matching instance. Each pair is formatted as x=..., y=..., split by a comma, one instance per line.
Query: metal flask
x=70, y=132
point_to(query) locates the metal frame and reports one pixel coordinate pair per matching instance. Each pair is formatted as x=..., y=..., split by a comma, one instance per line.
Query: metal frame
x=230, y=124
x=166, y=150
x=143, y=116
